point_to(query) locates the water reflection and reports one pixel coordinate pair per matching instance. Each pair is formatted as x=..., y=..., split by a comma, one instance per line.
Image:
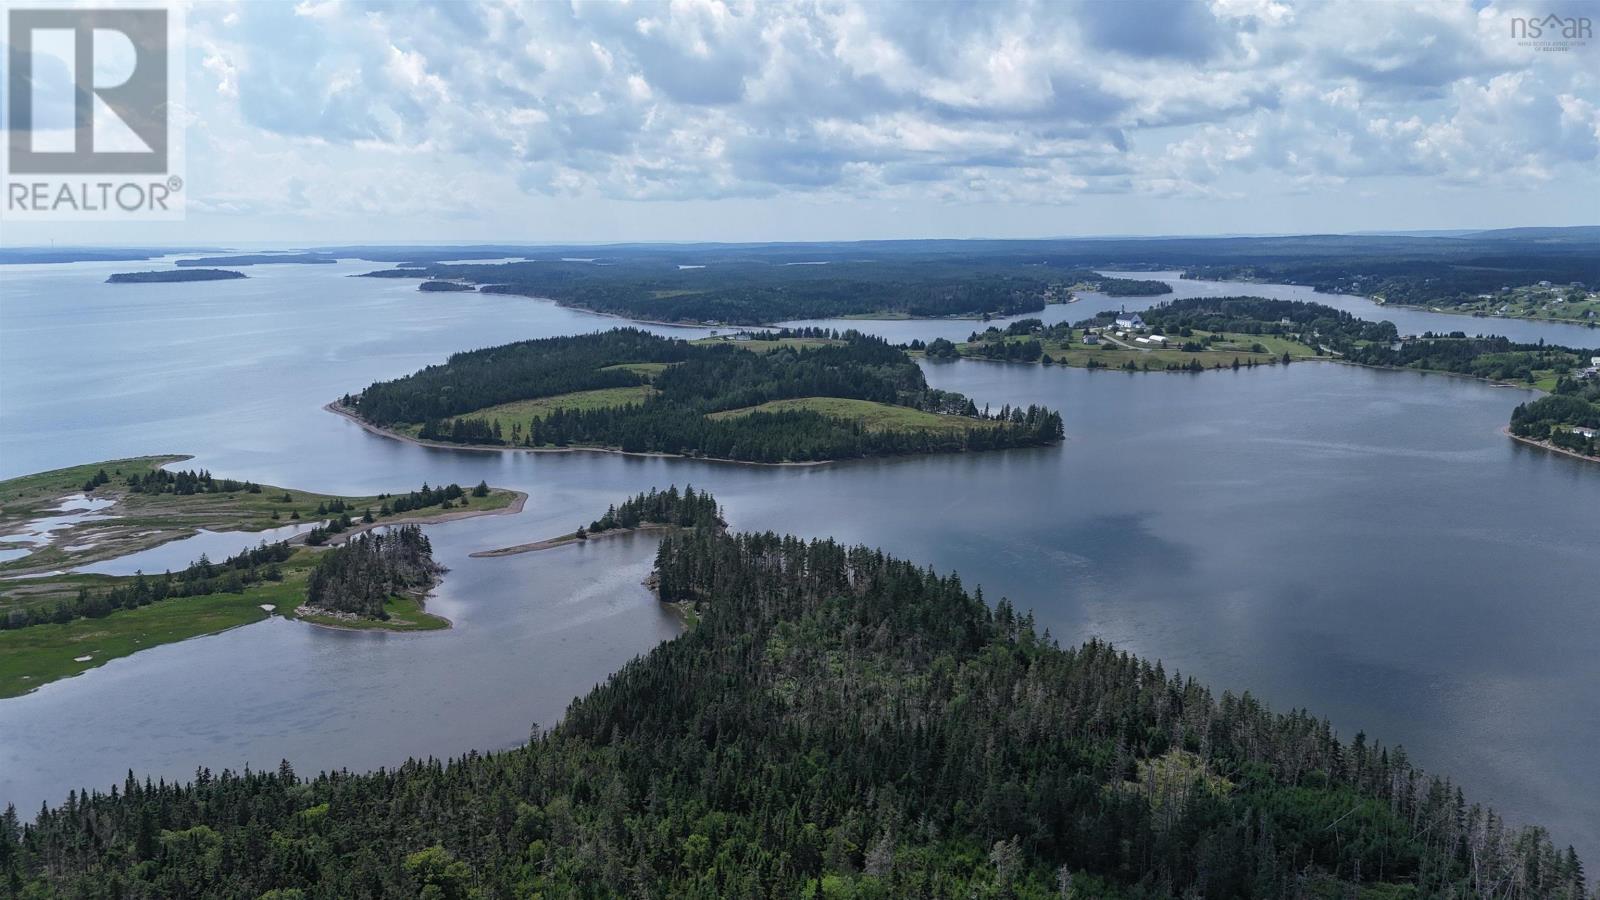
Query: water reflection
x=1363, y=543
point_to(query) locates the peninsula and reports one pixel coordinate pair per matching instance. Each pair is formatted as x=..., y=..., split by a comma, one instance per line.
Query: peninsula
x=57, y=622
x=838, y=723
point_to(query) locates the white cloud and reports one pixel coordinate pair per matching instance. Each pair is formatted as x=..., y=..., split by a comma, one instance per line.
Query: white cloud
x=1038, y=102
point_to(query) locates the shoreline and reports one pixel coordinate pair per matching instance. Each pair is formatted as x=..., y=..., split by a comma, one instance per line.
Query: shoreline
x=596, y=312
x=1272, y=365
x=420, y=595
x=379, y=430
x=859, y=317
x=1380, y=302
x=1576, y=323
x=1543, y=445
x=687, y=616
x=565, y=540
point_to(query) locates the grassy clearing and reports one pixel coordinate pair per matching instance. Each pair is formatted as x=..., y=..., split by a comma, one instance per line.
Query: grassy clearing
x=525, y=411
x=648, y=370
x=1110, y=354
x=768, y=346
x=28, y=497
x=30, y=657
x=882, y=316
x=874, y=416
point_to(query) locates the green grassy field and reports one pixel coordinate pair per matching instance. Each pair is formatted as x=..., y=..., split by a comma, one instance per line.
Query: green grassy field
x=1110, y=355
x=875, y=416
x=648, y=370
x=28, y=497
x=768, y=346
x=30, y=657
x=40, y=654
x=1551, y=304
x=525, y=411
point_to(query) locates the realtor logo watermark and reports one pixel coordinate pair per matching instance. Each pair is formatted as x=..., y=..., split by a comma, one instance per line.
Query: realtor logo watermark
x=92, y=124
x=1552, y=32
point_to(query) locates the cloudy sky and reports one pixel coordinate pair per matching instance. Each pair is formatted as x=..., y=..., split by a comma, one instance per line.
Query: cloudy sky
x=708, y=120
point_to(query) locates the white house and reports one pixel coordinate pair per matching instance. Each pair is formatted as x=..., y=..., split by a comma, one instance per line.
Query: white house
x=1091, y=339
x=1130, y=321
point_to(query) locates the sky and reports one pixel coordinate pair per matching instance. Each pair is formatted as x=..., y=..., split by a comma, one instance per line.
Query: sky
x=323, y=121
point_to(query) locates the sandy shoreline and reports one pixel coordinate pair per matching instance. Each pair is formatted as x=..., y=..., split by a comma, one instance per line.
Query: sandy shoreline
x=563, y=541
x=510, y=509
x=338, y=410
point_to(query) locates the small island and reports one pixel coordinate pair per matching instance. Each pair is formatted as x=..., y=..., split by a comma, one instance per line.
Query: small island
x=61, y=621
x=168, y=276
x=645, y=512
x=438, y=285
x=377, y=580
x=793, y=397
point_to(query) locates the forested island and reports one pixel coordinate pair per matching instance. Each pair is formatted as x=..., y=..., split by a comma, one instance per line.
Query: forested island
x=377, y=579
x=805, y=398
x=164, y=276
x=760, y=293
x=435, y=285
x=59, y=622
x=836, y=723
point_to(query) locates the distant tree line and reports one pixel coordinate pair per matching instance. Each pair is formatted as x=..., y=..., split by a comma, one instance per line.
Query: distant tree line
x=1494, y=358
x=1119, y=287
x=1416, y=280
x=162, y=481
x=759, y=295
x=231, y=576
x=838, y=723
x=358, y=576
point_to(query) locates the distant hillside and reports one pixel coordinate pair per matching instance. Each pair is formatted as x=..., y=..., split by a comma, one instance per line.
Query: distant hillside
x=258, y=259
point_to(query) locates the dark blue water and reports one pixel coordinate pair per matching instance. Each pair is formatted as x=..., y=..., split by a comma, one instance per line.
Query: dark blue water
x=1363, y=543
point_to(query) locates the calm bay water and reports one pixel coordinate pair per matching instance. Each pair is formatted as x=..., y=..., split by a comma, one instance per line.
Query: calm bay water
x=1362, y=543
